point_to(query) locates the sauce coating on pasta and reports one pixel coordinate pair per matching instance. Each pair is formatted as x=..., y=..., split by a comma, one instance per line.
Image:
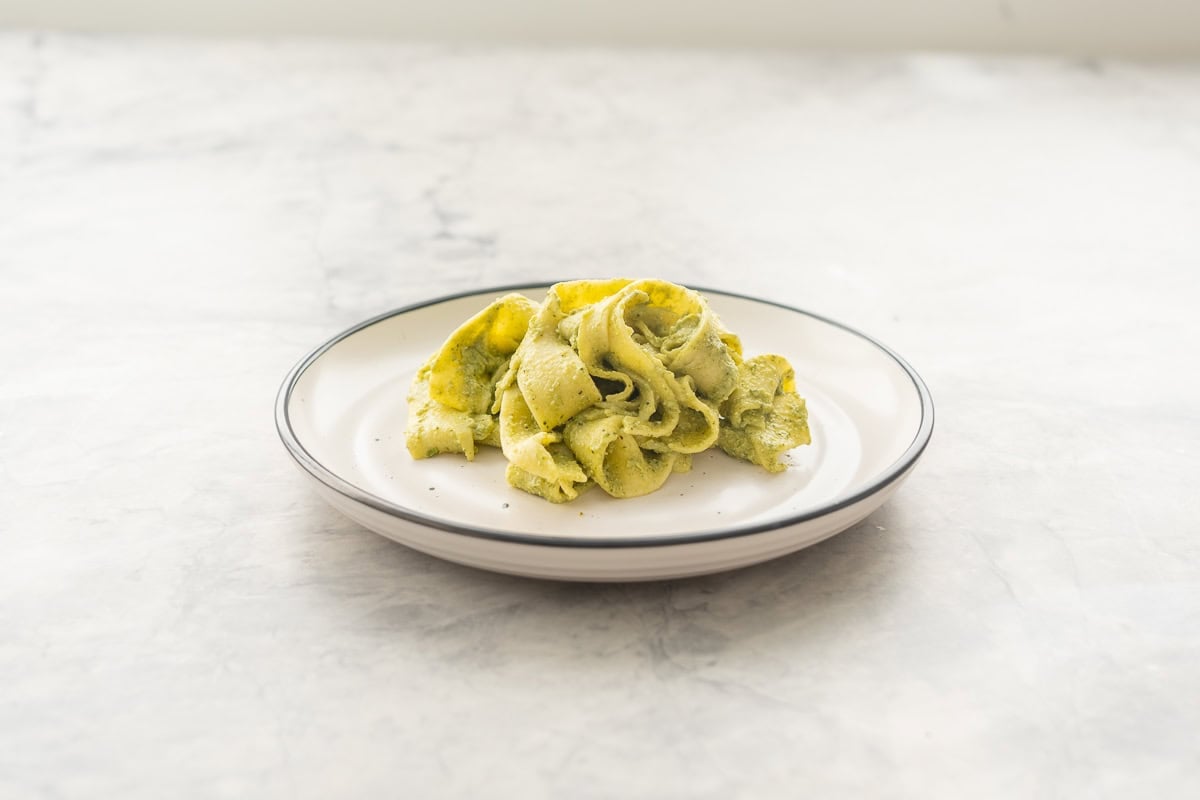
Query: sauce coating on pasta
x=609, y=383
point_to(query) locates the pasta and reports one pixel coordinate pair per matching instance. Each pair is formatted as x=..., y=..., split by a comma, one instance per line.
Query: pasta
x=613, y=383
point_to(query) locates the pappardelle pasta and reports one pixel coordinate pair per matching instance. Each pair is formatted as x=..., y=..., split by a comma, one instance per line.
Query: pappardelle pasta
x=613, y=383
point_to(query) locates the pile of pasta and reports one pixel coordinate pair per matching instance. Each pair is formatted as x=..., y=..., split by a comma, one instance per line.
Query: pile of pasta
x=616, y=383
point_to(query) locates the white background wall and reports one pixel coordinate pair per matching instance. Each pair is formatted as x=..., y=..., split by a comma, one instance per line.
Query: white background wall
x=1167, y=28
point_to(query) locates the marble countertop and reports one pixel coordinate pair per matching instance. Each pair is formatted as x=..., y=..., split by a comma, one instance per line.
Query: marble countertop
x=182, y=617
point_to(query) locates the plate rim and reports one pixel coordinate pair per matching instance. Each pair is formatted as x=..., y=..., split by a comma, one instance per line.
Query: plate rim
x=330, y=479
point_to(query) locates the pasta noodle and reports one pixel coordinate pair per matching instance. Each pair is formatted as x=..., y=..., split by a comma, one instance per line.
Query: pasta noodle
x=613, y=383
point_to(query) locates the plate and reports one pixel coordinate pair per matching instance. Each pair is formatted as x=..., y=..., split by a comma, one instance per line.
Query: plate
x=341, y=414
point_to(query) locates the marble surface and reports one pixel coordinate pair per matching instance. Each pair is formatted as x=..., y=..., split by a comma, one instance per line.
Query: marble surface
x=182, y=617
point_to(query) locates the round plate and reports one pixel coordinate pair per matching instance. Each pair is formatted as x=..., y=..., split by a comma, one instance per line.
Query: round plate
x=341, y=414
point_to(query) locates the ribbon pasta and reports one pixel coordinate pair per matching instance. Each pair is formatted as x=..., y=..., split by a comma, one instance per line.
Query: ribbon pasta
x=615, y=383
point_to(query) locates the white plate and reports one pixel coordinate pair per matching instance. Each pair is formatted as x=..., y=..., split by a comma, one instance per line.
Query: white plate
x=341, y=414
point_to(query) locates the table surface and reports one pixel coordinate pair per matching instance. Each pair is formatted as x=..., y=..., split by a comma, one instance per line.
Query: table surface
x=181, y=220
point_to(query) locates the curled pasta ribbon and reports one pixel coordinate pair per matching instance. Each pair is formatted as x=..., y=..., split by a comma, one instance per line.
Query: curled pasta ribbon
x=615, y=459
x=462, y=373
x=764, y=416
x=435, y=428
x=537, y=461
x=658, y=344
x=552, y=377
